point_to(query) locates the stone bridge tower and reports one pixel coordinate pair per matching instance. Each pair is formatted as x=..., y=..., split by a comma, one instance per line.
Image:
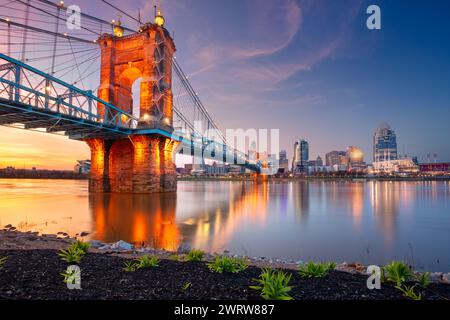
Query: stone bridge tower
x=138, y=163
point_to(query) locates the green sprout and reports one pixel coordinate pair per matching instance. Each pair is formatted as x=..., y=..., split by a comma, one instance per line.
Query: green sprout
x=83, y=246
x=186, y=286
x=316, y=269
x=68, y=277
x=274, y=285
x=130, y=266
x=423, y=279
x=408, y=291
x=226, y=264
x=397, y=272
x=147, y=262
x=174, y=257
x=195, y=255
x=3, y=261
x=73, y=254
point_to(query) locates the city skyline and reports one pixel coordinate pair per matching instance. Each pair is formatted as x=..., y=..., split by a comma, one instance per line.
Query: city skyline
x=320, y=75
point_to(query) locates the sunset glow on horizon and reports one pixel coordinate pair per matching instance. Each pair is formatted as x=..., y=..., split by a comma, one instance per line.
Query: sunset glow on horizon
x=26, y=149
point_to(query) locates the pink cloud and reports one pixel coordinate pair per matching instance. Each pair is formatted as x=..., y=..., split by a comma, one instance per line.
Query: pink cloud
x=273, y=74
x=273, y=24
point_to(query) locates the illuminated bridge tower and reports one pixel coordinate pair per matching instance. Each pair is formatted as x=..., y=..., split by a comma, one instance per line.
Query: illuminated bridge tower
x=139, y=163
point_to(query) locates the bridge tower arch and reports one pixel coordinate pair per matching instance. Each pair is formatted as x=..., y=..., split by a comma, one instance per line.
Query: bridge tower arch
x=140, y=163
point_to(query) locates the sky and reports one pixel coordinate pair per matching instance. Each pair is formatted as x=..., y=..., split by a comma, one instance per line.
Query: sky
x=309, y=68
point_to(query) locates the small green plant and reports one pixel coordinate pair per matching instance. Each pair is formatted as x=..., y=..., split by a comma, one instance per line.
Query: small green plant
x=397, y=272
x=195, y=255
x=408, y=291
x=174, y=257
x=423, y=279
x=226, y=264
x=140, y=263
x=186, y=286
x=72, y=254
x=3, y=261
x=68, y=277
x=130, y=266
x=147, y=262
x=315, y=269
x=274, y=285
x=83, y=246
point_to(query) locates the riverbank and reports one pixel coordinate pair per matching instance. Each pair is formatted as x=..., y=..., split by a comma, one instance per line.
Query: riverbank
x=11, y=173
x=33, y=271
x=319, y=178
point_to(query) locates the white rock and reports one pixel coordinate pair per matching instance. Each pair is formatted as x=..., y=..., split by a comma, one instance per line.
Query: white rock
x=96, y=244
x=436, y=277
x=122, y=245
x=184, y=248
x=446, y=278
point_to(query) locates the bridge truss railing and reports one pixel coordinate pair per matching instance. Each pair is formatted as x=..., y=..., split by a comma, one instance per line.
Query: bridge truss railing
x=25, y=85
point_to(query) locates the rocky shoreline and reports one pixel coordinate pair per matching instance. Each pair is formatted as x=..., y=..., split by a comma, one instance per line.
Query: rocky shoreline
x=33, y=249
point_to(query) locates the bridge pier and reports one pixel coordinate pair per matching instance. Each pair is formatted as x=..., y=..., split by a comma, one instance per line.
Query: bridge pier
x=137, y=164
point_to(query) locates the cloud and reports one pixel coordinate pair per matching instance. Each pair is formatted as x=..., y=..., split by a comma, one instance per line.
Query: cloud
x=278, y=23
x=274, y=73
x=272, y=27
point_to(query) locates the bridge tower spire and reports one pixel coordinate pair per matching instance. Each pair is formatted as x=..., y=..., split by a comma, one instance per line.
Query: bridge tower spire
x=140, y=163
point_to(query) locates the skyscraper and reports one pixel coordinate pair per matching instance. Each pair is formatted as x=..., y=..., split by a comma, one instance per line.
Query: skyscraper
x=384, y=144
x=301, y=156
x=319, y=161
x=283, y=162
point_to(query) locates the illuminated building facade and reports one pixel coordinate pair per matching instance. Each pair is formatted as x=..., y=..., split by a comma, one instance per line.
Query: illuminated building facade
x=384, y=144
x=355, y=159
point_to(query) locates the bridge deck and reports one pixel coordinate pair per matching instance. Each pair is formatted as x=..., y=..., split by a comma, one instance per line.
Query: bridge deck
x=33, y=118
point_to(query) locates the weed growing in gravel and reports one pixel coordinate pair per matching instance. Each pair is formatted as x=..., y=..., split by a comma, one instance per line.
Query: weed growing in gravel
x=423, y=279
x=147, y=262
x=130, y=266
x=408, y=291
x=140, y=263
x=174, y=257
x=83, y=246
x=69, y=277
x=397, y=272
x=316, y=269
x=195, y=255
x=73, y=254
x=186, y=286
x=274, y=285
x=226, y=264
x=2, y=261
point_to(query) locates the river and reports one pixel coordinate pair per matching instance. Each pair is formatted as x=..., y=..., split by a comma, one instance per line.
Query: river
x=370, y=222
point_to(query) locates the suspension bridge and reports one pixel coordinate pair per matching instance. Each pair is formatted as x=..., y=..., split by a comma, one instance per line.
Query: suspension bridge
x=49, y=81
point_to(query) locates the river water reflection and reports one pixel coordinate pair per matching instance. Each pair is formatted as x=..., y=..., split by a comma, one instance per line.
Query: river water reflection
x=369, y=222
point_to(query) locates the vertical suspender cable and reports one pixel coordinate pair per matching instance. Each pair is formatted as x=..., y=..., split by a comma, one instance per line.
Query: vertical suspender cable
x=24, y=43
x=58, y=10
x=9, y=39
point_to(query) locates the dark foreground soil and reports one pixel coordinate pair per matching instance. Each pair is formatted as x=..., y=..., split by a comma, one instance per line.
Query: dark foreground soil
x=36, y=274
